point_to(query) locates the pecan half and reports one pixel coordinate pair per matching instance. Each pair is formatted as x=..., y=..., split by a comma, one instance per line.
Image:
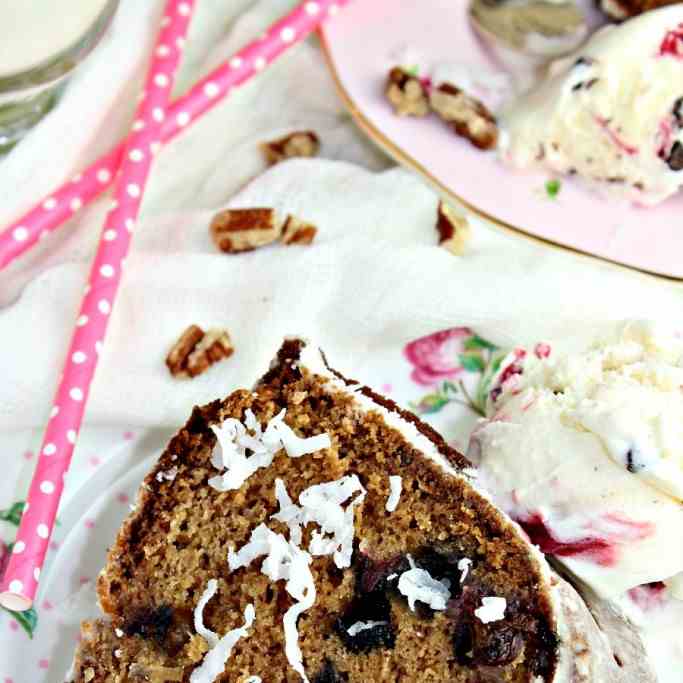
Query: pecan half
x=196, y=350
x=296, y=231
x=453, y=229
x=406, y=94
x=301, y=143
x=467, y=116
x=237, y=230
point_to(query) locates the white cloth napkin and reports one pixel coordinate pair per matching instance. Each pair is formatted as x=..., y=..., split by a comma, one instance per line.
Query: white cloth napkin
x=373, y=278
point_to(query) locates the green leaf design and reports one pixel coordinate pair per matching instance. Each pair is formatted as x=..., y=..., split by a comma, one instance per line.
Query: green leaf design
x=484, y=385
x=476, y=342
x=28, y=620
x=13, y=514
x=431, y=403
x=472, y=362
x=413, y=70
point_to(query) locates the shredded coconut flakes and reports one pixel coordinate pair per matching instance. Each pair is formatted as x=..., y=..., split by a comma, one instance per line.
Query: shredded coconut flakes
x=492, y=609
x=361, y=626
x=395, y=488
x=168, y=475
x=220, y=648
x=236, y=438
x=464, y=565
x=418, y=584
x=322, y=504
x=284, y=560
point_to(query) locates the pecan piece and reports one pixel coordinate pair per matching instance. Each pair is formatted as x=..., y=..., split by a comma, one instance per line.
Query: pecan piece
x=467, y=116
x=196, y=350
x=453, y=229
x=296, y=231
x=237, y=230
x=301, y=143
x=406, y=94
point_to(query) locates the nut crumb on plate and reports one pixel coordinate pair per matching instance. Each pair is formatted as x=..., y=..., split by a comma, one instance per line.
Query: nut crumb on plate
x=296, y=231
x=300, y=143
x=196, y=350
x=453, y=229
x=237, y=230
x=406, y=94
x=468, y=116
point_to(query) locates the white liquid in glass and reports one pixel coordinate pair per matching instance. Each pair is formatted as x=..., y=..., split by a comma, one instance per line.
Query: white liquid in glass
x=32, y=31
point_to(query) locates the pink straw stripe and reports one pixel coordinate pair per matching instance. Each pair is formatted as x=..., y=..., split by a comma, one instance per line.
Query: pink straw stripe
x=241, y=67
x=20, y=581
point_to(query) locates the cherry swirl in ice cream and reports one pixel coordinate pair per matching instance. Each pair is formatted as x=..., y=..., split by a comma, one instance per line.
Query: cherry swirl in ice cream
x=585, y=451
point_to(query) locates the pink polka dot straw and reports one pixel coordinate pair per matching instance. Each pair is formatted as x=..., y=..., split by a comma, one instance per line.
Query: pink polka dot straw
x=20, y=580
x=60, y=205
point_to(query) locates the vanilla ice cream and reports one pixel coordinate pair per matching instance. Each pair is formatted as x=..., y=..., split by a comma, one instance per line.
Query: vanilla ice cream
x=611, y=113
x=585, y=451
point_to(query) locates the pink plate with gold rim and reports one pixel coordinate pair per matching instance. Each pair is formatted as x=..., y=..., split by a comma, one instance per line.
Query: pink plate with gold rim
x=359, y=44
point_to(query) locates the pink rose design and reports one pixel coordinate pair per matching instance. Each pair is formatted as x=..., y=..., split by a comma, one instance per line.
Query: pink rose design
x=435, y=357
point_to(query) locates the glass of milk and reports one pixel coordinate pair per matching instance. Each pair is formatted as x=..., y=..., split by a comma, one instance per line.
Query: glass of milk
x=41, y=42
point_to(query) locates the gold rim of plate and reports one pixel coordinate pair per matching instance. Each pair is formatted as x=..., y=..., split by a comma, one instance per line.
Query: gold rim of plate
x=405, y=159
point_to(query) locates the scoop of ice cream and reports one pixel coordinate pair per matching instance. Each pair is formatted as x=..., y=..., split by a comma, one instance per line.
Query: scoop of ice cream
x=586, y=452
x=611, y=113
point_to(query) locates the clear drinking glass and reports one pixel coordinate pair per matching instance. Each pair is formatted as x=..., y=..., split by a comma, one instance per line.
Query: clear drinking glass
x=58, y=35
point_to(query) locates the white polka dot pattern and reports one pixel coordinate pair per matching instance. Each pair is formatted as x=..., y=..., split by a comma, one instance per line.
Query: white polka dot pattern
x=242, y=66
x=20, y=233
x=154, y=123
x=211, y=89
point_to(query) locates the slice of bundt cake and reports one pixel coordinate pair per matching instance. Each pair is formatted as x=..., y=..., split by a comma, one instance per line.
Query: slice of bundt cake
x=310, y=530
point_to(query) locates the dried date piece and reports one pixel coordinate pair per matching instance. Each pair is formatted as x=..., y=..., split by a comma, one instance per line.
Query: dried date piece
x=237, y=230
x=197, y=350
x=301, y=143
x=406, y=94
x=296, y=231
x=453, y=229
x=467, y=116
